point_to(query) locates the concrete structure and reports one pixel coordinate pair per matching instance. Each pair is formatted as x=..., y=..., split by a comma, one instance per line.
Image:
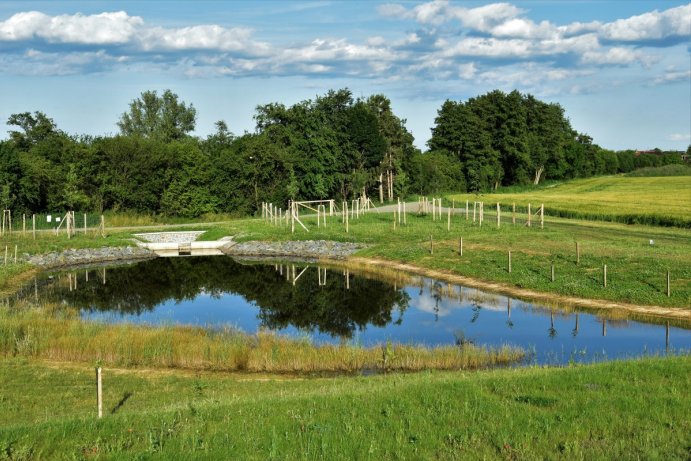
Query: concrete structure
x=168, y=244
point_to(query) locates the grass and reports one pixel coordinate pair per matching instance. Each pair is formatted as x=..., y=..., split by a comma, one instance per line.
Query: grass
x=633, y=200
x=636, y=270
x=621, y=410
x=58, y=334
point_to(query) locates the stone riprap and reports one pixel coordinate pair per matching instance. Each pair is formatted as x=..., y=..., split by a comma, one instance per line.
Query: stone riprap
x=170, y=237
x=306, y=248
x=89, y=256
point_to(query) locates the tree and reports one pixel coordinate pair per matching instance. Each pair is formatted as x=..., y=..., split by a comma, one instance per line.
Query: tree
x=163, y=118
x=35, y=128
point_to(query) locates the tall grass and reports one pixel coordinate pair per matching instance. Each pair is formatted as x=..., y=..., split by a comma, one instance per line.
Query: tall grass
x=38, y=333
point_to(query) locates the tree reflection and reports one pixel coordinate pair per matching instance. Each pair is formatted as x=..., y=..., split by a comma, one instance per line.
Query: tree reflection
x=329, y=308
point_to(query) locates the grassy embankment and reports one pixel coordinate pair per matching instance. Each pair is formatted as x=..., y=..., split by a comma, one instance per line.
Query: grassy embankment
x=636, y=270
x=57, y=333
x=633, y=200
x=622, y=410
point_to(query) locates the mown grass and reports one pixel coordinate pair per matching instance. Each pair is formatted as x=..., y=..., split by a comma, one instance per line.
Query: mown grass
x=662, y=201
x=636, y=270
x=620, y=410
x=58, y=334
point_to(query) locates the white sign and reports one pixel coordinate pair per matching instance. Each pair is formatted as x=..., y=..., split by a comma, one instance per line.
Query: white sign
x=49, y=218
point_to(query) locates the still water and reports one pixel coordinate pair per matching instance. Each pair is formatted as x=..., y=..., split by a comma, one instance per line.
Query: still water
x=301, y=299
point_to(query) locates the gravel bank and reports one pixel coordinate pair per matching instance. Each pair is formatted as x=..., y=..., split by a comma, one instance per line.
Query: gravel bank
x=306, y=248
x=88, y=256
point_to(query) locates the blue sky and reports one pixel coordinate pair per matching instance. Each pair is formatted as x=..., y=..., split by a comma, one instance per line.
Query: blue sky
x=621, y=69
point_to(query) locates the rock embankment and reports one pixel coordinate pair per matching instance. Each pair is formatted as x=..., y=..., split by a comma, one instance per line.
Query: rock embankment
x=89, y=256
x=307, y=248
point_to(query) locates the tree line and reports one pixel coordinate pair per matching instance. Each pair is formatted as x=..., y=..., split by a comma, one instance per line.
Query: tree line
x=334, y=146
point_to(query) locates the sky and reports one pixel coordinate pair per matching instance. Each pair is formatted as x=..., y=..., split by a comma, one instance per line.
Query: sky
x=621, y=69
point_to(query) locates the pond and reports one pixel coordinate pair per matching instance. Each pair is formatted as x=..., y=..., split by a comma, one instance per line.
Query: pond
x=336, y=305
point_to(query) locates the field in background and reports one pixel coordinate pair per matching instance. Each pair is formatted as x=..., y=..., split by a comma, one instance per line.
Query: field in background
x=644, y=200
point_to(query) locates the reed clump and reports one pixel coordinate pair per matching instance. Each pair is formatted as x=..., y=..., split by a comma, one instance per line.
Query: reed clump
x=33, y=334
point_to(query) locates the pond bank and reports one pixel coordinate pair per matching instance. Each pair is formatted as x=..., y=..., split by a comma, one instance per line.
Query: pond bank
x=342, y=254
x=549, y=298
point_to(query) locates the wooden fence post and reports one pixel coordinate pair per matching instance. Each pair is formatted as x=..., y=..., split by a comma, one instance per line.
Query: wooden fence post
x=466, y=210
x=669, y=292
x=513, y=214
x=552, y=271
x=498, y=216
x=33, y=224
x=460, y=246
x=578, y=253
x=542, y=216
x=604, y=275
x=529, y=215
x=24, y=225
x=448, y=221
x=431, y=245
x=99, y=392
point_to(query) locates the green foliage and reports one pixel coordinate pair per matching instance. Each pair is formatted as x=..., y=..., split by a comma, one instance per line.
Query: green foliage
x=666, y=170
x=158, y=117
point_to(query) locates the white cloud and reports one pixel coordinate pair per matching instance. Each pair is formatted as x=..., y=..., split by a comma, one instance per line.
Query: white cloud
x=680, y=137
x=674, y=22
x=615, y=56
x=467, y=71
x=98, y=29
x=672, y=76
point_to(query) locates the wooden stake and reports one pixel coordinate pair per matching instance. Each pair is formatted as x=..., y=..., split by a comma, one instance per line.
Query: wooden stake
x=84, y=223
x=103, y=226
x=99, y=392
x=498, y=216
x=553, y=271
x=529, y=215
x=431, y=245
x=24, y=225
x=33, y=225
x=513, y=214
x=405, y=222
x=669, y=292
x=542, y=216
x=578, y=253
x=448, y=221
x=466, y=210
x=460, y=246
x=346, y=216
x=509, y=261
x=5, y=255
x=15, y=254
x=604, y=275
x=474, y=209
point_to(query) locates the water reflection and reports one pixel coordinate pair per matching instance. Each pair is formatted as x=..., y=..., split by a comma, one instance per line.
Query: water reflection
x=337, y=305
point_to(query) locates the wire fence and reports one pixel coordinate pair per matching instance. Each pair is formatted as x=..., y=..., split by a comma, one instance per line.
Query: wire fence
x=29, y=224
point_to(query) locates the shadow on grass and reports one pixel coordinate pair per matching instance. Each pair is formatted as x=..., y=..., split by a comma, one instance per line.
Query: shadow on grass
x=126, y=396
